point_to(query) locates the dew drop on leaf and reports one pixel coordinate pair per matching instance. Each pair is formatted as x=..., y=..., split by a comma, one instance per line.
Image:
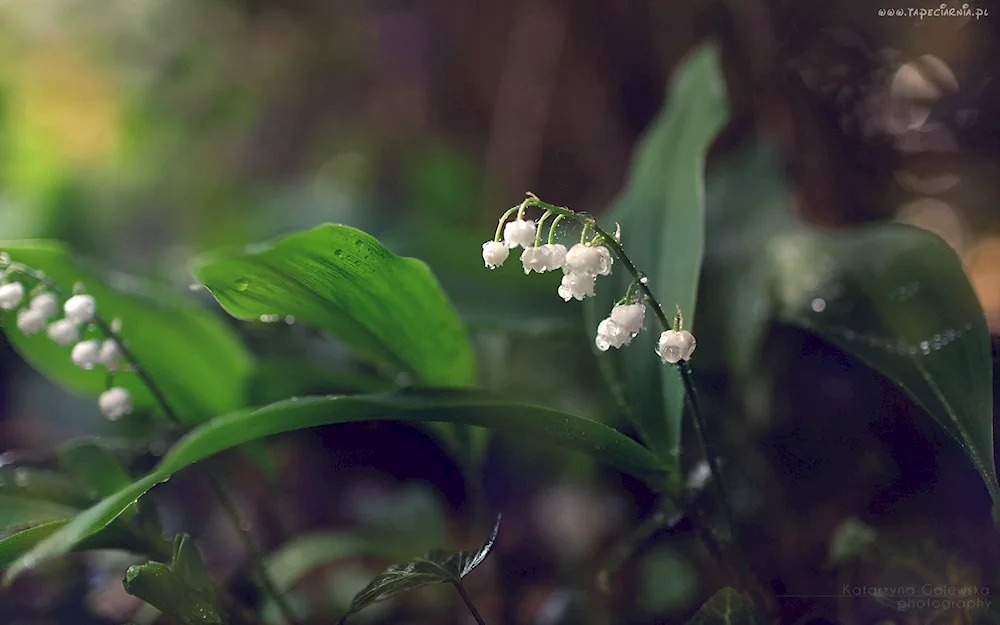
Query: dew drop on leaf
x=242, y=284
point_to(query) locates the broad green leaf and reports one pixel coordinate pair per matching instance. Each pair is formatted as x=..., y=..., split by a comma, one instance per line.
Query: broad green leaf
x=474, y=408
x=95, y=466
x=339, y=279
x=198, y=362
x=437, y=567
x=727, y=607
x=164, y=589
x=893, y=296
x=897, y=298
x=663, y=231
x=18, y=511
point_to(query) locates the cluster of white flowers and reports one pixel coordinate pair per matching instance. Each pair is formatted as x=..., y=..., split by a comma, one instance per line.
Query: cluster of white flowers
x=78, y=313
x=581, y=265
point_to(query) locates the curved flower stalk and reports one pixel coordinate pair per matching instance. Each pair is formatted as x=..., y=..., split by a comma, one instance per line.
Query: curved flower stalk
x=582, y=264
x=38, y=301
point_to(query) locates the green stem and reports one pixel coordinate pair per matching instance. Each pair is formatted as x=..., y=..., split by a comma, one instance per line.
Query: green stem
x=468, y=602
x=503, y=220
x=538, y=228
x=749, y=579
x=552, y=228
x=168, y=412
x=617, y=250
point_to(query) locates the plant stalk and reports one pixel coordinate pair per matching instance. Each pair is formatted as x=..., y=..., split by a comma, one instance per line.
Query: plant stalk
x=468, y=603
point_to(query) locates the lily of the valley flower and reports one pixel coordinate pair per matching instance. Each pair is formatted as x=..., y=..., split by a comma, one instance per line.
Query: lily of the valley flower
x=46, y=304
x=589, y=260
x=543, y=258
x=576, y=286
x=494, y=253
x=619, y=329
x=86, y=354
x=610, y=334
x=110, y=355
x=64, y=332
x=80, y=309
x=629, y=316
x=519, y=233
x=30, y=321
x=115, y=403
x=675, y=346
x=11, y=295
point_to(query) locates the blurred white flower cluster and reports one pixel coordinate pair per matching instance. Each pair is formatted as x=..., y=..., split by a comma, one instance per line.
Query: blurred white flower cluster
x=581, y=264
x=36, y=311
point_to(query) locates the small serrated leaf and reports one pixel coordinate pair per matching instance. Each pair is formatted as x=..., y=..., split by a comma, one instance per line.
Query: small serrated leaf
x=437, y=567
x=727, y=607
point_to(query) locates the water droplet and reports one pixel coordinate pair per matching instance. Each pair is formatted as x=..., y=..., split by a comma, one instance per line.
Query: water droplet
x=925, y=347
x=644, y=280
x=21, y=478
x=242, y=284
x=289, y=319
x=195, y=287
x=295, y=399
x=819, y=304
x=269, y=318
x=338, y=252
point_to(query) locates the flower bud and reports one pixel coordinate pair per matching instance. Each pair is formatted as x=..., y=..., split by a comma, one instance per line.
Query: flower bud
x=30, y=321
x=11, y=295
x=46, y=304
x=64, y=332
x=494, y=254
x=80, y=309
x=675, y=346
x=86, y=354
x=115, y=403
x=110, y=355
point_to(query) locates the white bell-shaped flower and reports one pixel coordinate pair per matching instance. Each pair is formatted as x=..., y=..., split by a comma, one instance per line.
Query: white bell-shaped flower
x=64, y=332
x=535, y=259
x=80, y=309
x=629, y=316
x=30, y=321
x=610, y=334
x=557, y=256
x=588, y=260
x=675, y=346
x=604, y=262
x=575, y=285
x=86, y=354
x=494, y=253
x=11, y=295
x=519, y=233
x=115, y=403
x=110, y=354
x=46, y=304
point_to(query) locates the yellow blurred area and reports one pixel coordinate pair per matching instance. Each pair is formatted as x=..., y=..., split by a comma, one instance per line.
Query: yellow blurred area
x=63, y=106
x=982, y=262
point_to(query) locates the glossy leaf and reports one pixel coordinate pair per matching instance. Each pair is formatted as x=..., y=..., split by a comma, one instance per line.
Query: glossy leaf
x=473, y=408
x=187, y=563
x=42, y=484
x=158, y=585
x=23, y=511
x=95, y=466
x=198, y=362
x=893, y=296
x=437, y=567
x=727, y=607
x=18, y=543
x=661, y=216
x=897, y=298
x=339, y=279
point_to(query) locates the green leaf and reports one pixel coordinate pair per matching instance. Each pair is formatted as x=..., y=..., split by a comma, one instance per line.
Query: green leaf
x=164, y=589
x=198, y=362
x=187, y=563
x=727, y=607
x=22, y=511
x=14, y=546
x=95, y=466
x=897, y=298
x=660, y=212
x=893, y=296
x=41, y=484
x=450, y=406
x=339, y=279
x=437, y=567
